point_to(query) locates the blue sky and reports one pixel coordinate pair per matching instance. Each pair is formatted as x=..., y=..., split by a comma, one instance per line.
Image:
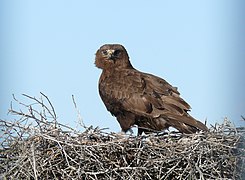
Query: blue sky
x=198, y=46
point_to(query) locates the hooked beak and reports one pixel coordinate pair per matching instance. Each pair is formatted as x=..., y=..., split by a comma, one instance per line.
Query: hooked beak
x=110, y=54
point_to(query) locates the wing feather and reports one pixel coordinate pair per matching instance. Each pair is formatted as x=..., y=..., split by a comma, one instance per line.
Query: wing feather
x=148, y=96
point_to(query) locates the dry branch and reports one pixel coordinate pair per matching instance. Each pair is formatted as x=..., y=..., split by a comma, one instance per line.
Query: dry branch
x=36, y=146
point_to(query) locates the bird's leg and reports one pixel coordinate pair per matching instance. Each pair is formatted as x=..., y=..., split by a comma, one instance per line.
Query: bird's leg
x=140, y=131
x=131, y=131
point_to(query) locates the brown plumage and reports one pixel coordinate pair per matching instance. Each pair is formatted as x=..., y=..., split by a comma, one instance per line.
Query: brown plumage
x=138, y=98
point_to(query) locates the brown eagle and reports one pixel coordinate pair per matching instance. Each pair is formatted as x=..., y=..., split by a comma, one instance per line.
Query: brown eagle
x=138, y=98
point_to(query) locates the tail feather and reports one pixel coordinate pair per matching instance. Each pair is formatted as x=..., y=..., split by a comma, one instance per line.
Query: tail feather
x=185, y=124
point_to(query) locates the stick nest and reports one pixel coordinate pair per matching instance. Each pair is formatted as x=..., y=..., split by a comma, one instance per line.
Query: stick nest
x=36, y=146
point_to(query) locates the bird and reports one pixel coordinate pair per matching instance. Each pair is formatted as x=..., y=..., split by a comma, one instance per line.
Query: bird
x=139, y=98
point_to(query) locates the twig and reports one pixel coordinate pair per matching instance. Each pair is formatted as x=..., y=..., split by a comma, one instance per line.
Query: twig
x=36, y=146
x=34, y=161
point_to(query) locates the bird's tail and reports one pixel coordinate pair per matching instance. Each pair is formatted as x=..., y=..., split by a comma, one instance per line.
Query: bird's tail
x=185, y=124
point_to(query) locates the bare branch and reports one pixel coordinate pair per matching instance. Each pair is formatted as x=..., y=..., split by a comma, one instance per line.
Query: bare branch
x=37, y=146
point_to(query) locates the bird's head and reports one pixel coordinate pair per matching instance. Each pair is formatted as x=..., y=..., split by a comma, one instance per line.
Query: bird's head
x=112, y=56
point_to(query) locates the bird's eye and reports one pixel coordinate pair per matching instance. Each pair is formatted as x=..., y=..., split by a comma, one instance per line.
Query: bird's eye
x=104, y=53
x=117, y=52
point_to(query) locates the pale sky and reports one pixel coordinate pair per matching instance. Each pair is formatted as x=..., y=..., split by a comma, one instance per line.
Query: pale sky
x=198, y=46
